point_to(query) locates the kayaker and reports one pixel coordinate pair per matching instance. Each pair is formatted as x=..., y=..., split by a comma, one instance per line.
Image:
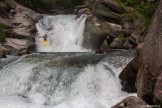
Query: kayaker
x=44, y=40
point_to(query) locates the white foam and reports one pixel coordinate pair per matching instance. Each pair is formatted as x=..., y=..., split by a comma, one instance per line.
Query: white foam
x=65, y=33
x=97, y=86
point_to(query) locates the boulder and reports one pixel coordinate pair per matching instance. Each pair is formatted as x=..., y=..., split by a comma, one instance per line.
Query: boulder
x=17, y=44
x=128, y=26
x=117, y=43
x=3, y=51
x=107, y=10
x=129, y=73
x=23, y=26
x=111, y=4
x=96, y=32
x=132, y=102
x=103, y=19
x=132, y=41
x=23, y=10
x=128, y=76
x=23, y=19
x=105, y=13
x=106, y=18
x=148, y=81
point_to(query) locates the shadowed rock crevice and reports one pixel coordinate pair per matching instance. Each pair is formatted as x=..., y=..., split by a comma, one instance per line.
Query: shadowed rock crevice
x=128, y=76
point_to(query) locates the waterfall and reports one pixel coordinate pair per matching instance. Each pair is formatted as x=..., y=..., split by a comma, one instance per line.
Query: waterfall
x=64, y=33
x=63, y=81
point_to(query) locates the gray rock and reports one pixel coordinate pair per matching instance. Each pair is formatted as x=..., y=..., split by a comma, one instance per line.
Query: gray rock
x=129, y=27
x=23, y=19
x=128, y=76
x=151, y=62
x=95, y=32
x=105, y=13
x=132, y=41
x=104, y=18
x=17, y=44
x=113, y=6
x=23, y=10
x=132, y=102
x=23, y=25
x=117, y=43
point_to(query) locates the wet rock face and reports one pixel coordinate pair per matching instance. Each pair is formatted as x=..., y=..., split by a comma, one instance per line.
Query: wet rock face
x=132, y=102
x=25, y=11
x=23, y=19
x=128, y=76
x=17, y=46
x=95, y=33
x=103, y=19
x=149, y=76
x=106, y=20
x=116, y=43
x=23, y=25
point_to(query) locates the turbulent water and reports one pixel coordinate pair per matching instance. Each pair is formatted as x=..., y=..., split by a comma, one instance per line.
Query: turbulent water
x=64, y=33
x=71, y=80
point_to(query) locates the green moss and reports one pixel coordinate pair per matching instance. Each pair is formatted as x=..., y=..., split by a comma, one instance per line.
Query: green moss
x=133, y=15
x=139, y=10
x=147, y=9
x=3, y=32
x=123, y=37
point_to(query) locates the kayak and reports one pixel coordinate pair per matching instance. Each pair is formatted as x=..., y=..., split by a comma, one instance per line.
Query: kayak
x=44, y=42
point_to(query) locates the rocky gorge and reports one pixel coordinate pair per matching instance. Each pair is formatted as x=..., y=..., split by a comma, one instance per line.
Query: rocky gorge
x=110, y=24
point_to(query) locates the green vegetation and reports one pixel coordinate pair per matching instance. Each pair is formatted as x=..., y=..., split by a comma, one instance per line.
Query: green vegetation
x=48, y=4
x=3, y=32
x=133, y=15
x=145, y=8
x=123, y=37
x=142, y=10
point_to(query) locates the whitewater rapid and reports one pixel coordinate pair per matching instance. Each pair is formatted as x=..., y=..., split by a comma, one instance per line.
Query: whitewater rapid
x=64, y=33
x=79, y=80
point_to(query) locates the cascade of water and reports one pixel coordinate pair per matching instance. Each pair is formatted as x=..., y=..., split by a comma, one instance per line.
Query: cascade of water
x=37, y=81
x=64, y=33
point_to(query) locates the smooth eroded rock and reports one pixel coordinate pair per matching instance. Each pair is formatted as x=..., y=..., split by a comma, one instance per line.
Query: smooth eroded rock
x=18, y=44
x=23, y=19
x=128, y=76
x=148, y=83
x=132, y=102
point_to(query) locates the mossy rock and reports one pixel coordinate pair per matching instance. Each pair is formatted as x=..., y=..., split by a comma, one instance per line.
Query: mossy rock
x=3, y=32
x=141, y=10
